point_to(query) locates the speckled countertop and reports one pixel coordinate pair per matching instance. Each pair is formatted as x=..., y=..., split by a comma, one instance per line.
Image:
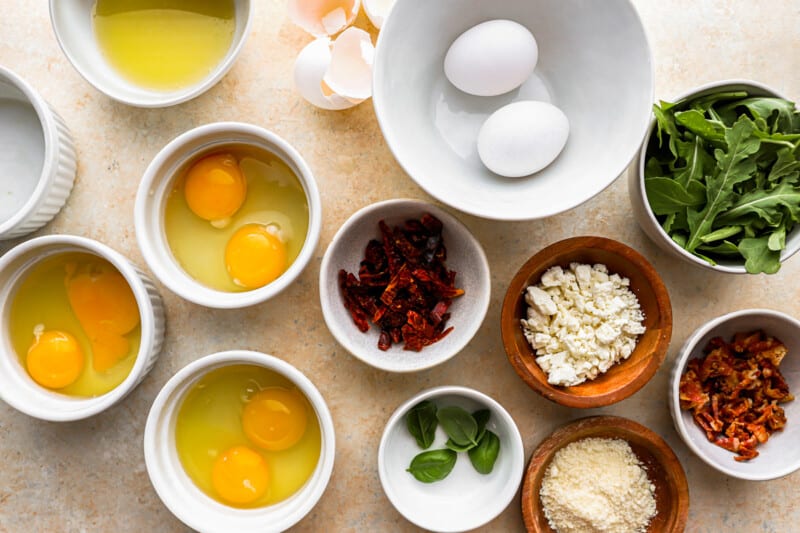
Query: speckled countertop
x=90, y=475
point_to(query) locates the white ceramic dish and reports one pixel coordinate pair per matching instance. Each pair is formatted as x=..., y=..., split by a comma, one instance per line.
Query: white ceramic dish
x=464, y=255
x=779, y=456
x=16, y=387
x=594, y=64
x=157, y=183
x=641, y=207
x=465, y=499
x=186, y=501
x=37, y=158
x=72, y=25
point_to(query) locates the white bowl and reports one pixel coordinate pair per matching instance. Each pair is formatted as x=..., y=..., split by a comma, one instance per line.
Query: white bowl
x=179, y=493
x=780, y=455
x=156, y=185
x=638, y=196
x=464, y=499
x=37, y=158
x=464, y=255
x=72, y=25
x=16, y=387
x=594, y=64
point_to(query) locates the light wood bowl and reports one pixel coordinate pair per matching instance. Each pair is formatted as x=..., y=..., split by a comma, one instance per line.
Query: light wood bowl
x=623, y=378
x=663, y=468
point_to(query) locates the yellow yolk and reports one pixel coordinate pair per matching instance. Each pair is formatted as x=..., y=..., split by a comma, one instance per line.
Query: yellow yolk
x=240, y=475
x=275, y=419
x=55, y=359
x=254, y=256
x=215, y=187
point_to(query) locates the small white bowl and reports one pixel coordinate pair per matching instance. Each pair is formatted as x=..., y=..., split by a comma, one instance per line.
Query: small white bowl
x=464, y=255
x=156, y=185
x=780, y=455
x=72, y=25
x=16, y=387
x=465, y=499
x=179, y=493
x=37, y=158
x=638, y=196
x=594, y=64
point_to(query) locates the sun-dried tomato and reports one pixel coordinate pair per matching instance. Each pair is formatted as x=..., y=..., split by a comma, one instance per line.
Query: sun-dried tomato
x=403, y=285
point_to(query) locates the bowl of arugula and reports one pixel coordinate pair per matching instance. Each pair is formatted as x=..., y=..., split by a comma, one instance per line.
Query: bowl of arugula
x=718, y=178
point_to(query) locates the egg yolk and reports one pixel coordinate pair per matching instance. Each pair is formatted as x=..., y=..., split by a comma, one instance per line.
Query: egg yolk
x=240, y=475
x=215, y=187
x=275, y=419
x=254, y=256
x=55, y=359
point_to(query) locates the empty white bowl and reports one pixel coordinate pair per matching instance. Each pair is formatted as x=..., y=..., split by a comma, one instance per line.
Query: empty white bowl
x=464, y=255
x=37, y=158
x=16, y=387
x=594, y=64
x=780, y=455
x=158, y=181
x=465, y=499
x=179, y=493
x=72, y=25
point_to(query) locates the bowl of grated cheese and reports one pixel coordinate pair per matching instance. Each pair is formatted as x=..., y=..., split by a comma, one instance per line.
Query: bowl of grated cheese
x=586, y=322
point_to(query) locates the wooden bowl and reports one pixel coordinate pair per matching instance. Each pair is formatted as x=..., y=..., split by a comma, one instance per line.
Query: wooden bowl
x=663, y=468
x=623, y=378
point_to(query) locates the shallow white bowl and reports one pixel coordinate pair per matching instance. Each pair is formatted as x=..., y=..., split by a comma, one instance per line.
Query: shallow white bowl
x=179, y=493
x=638, y=196
x=37, y=158
x=465, y=499
x=154, y=189
x=780, y=455
x=72, y=25
x=16, y=387
x=594, y=64
x=464, y=255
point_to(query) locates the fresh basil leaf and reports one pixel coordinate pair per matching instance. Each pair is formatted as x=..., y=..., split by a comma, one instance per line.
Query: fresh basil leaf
x=484, y=455
x=458, y=424
x=758, y=257
x=481, y=417
x=451, y=445
x=666, y=195
x=421, y=422
x=433, y=465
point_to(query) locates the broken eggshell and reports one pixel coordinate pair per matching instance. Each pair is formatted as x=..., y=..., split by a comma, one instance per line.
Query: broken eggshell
x=377, y=11
x=323, y=17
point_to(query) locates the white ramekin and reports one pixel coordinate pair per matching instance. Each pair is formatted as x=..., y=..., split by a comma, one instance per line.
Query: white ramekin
x=179, y=493
x=59, y=165
x=16, y=387
x=156, y=185
x=72, y=25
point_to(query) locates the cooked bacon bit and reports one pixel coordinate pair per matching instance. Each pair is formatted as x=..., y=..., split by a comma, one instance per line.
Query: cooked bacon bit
x=403, y=285
x=734, y=392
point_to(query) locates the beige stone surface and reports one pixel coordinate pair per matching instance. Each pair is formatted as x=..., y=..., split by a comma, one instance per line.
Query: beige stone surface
x=90, y=475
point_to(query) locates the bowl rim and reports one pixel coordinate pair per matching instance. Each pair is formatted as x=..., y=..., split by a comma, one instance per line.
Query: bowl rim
x=517, y=452
x=641, y=159
x=328, y=273
x=509, y=325
x=684, y=354
x=381, y=114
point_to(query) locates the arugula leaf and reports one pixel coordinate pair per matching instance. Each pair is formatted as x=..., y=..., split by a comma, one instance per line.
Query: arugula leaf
x=777, y=239
x=665, y=122
x=667, y=195
x=698, y=124
x=758, y=256
x=764, y=107
x=698, y=162
x=785, y=165
x=764, y=204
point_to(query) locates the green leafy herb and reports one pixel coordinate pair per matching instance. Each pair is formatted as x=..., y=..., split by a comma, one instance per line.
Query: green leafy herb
x=421, y=422
x=484, y=455
x=459, y=425
x=481, y=417
x=433, y=465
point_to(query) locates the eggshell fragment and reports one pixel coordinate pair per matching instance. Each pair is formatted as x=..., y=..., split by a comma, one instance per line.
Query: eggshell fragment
x=522, y=138
x=377, y=11
x=350, y=71
x=309, y=68
x=323, y=17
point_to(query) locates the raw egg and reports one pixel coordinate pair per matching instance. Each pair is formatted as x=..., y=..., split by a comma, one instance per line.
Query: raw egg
x=55, y=359
x=255, y=256
x=215, y=188
x=275, y=419
x=240, y=475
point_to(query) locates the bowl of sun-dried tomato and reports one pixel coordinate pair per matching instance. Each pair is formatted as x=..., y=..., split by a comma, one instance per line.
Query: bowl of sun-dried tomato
x=404, y=285
x=732, y=394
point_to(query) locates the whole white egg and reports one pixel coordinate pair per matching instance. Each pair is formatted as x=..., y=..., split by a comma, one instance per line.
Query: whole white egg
x=522, y=138
x=491, y=58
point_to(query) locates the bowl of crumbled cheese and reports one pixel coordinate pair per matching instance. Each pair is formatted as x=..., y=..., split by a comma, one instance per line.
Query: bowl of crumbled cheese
x=586, y=322
x=637, y=483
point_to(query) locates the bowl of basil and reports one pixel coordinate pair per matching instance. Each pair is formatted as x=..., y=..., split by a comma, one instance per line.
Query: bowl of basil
x=718, y=178
x=450, y=459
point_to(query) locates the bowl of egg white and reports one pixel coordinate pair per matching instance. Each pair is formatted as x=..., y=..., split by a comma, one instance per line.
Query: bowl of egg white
x=513, y=110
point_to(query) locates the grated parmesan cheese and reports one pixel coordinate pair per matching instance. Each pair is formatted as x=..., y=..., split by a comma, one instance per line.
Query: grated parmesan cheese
x=581, y=321
x=597, y=485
